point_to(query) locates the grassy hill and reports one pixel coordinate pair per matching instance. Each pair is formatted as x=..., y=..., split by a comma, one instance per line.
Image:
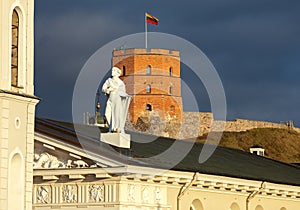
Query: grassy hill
x=279, y=144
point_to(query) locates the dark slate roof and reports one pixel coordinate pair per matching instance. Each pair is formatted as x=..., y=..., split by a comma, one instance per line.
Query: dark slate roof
x=224, y=161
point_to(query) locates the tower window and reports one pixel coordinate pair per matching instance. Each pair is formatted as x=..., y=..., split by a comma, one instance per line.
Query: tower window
x=171, y=71
x=124, y=70
x=148, y=71
x=172, y=108
x=148, y=107
x=14, y=48
x=171, y=90
x=148, y=89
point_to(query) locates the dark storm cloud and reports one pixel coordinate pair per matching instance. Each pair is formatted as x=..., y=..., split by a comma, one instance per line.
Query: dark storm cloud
x=254, y=46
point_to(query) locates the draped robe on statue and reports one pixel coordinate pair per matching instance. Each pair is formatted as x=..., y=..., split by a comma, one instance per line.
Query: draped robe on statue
x=117, y=104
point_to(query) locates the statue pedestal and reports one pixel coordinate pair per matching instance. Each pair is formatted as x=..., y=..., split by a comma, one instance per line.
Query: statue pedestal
x=117, y=139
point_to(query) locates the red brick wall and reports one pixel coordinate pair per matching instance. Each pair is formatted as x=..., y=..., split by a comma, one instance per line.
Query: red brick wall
x=135, y=62
x=160, y=104
x=136, y=84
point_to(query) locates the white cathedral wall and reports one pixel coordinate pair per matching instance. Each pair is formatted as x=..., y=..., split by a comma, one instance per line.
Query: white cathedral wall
x=16, y=183
x=229, y=200
x=16, y=112
x=25, y=10
x=17, y=134
x=138, y=191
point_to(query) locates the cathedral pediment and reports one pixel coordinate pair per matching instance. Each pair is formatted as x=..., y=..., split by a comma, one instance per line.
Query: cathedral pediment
x=52, y=151
x=47, y=156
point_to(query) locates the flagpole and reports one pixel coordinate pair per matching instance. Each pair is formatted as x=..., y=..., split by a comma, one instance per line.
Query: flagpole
x=146, y=37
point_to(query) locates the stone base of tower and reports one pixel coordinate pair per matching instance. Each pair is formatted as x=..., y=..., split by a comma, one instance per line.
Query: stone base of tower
x=193, y=124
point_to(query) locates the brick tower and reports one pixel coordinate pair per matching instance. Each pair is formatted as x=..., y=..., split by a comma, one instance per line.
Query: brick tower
x=153, y=79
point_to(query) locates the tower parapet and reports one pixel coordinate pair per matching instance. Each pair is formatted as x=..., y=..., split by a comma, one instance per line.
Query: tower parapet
x=134, y=51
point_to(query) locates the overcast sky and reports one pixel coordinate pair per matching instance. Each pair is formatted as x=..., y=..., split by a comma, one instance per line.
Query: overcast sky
x=254, y=46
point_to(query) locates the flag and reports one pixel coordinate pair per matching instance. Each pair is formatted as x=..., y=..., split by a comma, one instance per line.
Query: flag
x=151, y=19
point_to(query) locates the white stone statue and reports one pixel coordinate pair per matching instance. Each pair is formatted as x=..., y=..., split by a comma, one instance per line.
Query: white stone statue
x=118, y=102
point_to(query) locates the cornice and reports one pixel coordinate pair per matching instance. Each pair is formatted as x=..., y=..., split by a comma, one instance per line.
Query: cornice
x=145, y=175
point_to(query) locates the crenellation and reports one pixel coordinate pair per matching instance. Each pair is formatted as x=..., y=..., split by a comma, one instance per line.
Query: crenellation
x=135, y=51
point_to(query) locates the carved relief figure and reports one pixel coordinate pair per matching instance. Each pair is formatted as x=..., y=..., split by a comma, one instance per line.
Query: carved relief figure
x=76, y=163
x=145, y=194
x=118, y=102
x=69, y=194
x=157, y=194
x=45, y=160
x=69, y=164
x=80, y=163
x=131, y=195
x=43, y=194
x=97, y=193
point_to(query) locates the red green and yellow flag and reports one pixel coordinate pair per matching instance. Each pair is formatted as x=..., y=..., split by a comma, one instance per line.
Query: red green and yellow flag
x=151, y=19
